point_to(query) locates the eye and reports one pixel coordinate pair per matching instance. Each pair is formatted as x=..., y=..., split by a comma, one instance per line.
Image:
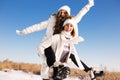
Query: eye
x=71, y=25
x=65, y=12
x=67, y=24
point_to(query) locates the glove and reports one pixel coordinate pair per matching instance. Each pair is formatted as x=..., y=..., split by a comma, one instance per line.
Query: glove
x=57, y=63
x=19, y=32
x=91, y=2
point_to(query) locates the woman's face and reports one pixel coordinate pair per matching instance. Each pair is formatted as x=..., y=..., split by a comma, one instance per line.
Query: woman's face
x=68, y=27
x=63, y=13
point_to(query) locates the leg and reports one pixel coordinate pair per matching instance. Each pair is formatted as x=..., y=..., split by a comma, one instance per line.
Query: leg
x=50, y=56
x=86, y=68
x=45, y=71
x=73, y=59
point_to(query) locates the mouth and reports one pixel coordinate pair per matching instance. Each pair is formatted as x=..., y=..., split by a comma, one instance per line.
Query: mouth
x=62, y=18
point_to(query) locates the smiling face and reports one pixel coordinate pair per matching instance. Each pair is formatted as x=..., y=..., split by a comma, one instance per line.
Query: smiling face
x=68, y=27
x=63, y=13
x=61, y=16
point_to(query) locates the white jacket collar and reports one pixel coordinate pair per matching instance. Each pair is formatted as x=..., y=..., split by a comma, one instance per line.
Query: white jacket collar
x=71, y=39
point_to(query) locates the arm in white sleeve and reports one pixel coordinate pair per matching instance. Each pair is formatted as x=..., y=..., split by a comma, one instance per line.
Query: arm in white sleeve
x=83, y=11
x=76, y=40
x=45, y=44
x=33, y=28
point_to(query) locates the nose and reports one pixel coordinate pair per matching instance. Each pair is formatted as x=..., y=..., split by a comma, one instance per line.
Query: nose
x=62, y=13
x=69, y=26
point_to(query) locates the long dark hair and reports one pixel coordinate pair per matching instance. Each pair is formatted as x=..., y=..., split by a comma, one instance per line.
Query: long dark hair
x=59, y=22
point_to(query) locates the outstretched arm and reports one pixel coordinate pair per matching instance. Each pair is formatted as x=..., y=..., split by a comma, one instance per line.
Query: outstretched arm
x=91, y=2
x=33, y=28
x=83, y=11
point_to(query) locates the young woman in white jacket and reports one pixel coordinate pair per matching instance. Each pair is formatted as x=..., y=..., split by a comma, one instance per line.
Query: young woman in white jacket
x=62, y=45
x=52, y=24
x=49, y=25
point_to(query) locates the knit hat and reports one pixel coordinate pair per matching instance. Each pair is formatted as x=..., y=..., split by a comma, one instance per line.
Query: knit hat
x=71, y=21
x=65, y=7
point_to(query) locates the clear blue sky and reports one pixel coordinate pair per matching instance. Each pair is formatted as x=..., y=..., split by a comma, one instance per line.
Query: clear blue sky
x=100, y=28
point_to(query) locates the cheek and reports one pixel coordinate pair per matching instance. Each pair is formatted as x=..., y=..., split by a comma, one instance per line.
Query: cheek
x=65, y=28
x=71, y=28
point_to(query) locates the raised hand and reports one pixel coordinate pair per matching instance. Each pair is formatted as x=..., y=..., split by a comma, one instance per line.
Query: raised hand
x=91, y=2
x=19, y=32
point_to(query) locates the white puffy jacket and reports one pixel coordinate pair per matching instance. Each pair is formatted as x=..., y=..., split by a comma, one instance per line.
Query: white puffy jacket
x=49, y=24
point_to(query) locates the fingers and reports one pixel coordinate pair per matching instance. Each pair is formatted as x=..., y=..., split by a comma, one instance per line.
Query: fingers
x=19, y=32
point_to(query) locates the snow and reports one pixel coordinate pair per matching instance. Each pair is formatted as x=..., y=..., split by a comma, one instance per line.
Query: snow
x=20, y=75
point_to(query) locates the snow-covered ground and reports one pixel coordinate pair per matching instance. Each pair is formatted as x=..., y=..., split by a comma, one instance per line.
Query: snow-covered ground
x=20, y=75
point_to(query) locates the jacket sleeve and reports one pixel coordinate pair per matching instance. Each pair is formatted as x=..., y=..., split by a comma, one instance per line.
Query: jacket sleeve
x=45, y=44
x=82, y=12
x=35, y=27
